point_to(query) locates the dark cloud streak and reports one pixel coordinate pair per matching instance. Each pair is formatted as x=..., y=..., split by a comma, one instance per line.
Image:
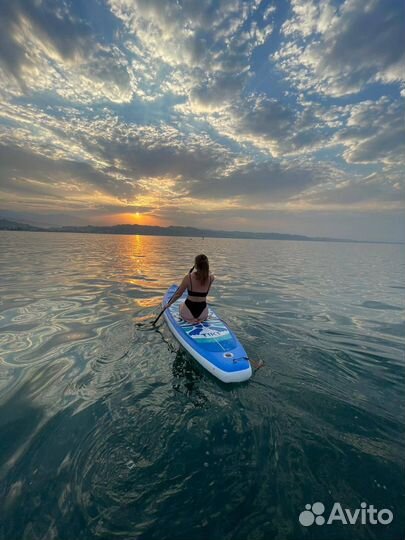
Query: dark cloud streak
x=17, y=164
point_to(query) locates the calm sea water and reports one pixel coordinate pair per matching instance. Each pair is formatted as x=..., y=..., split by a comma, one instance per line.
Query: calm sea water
x=109, y=430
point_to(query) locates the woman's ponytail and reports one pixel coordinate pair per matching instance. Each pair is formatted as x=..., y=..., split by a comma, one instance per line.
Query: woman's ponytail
x=203, y=268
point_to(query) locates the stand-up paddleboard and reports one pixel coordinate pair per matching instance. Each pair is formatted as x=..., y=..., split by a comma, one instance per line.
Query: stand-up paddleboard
x=211, y=342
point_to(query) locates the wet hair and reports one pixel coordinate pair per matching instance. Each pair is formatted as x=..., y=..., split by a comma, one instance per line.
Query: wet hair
x=202, y=267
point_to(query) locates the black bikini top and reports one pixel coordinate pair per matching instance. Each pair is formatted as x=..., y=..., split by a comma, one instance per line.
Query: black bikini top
x=195, y=293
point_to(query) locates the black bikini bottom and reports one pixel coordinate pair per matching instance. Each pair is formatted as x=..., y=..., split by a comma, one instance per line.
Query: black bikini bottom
x=196, y=308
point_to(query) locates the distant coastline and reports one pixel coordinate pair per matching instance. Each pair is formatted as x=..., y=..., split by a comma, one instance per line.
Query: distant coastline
x=174, y=230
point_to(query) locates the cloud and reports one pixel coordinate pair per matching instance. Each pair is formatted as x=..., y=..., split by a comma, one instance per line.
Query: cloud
x=23, y=172
x=276, y=128
x=376, y=191
x=374, y=133
x=211, y=43
x=128, y=161
x=146, y=165
x=51, y=28
x=120, y=159
x=215, y=92
x=265, y=183
x=156, y=152
x=44, y=46
x=339, y=50
x=264, y=117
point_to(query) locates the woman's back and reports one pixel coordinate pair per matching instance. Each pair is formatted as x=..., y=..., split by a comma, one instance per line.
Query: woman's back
x=195, y=284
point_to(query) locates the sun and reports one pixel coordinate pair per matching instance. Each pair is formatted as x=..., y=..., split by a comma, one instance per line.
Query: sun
x=133, y=218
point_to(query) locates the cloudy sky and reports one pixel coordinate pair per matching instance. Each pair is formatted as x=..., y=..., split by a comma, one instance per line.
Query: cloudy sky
x=284, y=116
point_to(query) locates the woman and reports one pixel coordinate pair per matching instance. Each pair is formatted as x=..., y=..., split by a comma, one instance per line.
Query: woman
x=198, y=282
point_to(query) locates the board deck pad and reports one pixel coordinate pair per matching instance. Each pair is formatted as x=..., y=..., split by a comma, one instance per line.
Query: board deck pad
x=210, y=342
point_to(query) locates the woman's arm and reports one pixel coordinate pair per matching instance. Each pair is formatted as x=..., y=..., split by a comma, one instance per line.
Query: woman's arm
x=212, y=277
x=179, y=292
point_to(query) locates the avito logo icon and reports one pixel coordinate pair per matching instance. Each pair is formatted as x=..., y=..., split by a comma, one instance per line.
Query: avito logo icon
x=307, y=517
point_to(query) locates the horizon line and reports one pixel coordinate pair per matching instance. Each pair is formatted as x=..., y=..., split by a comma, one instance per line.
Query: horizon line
x=289, y=236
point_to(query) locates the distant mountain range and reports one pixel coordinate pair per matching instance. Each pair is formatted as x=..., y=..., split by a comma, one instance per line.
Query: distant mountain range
x=8, y=225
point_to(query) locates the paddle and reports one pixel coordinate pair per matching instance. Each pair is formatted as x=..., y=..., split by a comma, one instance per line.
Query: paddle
x=163, y=310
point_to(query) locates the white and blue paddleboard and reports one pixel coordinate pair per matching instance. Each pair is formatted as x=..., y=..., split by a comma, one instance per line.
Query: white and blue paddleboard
x=211, y=342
